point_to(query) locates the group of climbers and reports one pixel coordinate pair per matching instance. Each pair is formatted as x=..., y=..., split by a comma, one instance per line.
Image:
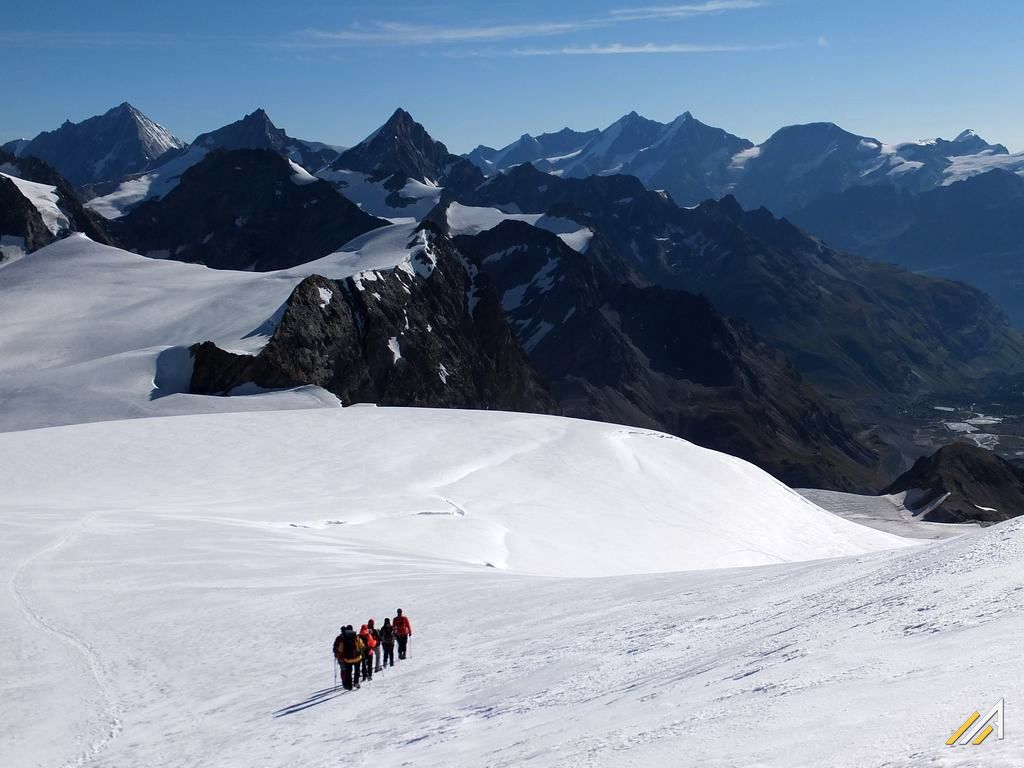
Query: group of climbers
x=362, y=652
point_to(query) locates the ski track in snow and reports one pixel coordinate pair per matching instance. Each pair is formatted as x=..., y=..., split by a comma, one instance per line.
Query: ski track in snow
x=108, y=711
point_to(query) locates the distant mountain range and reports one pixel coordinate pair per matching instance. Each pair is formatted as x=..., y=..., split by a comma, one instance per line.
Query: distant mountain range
x=799, y=163
x=578, y=273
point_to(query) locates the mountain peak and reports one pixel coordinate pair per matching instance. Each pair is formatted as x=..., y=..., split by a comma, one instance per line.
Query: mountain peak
x=969, y=142
x=259, y=115
x=402, y=149
x=105, y=147
x=400, y=118
x=253, y=131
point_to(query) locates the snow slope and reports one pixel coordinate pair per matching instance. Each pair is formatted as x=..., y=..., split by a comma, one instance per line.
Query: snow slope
x=374, y=198
x=154, y=184
x=173, y=590
x=89, y=332
x=964, y=167
x=45, y=198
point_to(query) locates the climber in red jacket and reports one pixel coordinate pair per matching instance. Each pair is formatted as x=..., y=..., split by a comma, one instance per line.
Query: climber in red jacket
x=403, y=631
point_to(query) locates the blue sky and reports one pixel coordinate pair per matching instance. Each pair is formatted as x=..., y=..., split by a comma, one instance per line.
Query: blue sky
x=490, y=71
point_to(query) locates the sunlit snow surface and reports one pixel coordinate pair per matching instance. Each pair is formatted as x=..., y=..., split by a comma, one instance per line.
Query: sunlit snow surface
x=173, y=587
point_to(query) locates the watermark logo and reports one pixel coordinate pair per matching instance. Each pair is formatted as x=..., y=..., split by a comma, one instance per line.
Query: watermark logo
x=976, y=728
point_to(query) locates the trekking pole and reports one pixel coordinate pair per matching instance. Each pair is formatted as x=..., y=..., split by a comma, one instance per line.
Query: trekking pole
x=334, y=663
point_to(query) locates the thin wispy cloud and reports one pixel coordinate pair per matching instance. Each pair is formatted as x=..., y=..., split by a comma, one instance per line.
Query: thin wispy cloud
x=615, y=49
x=687, y=9
x=395, y=33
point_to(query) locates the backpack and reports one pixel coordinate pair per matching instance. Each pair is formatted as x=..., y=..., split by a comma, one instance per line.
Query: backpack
x=336, y=648
x=387, y=634
x=348, y=645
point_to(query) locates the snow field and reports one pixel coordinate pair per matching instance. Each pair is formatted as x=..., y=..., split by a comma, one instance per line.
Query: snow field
x=187, y=576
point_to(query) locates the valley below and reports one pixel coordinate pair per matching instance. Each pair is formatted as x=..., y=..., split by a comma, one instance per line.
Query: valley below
x=922, y=427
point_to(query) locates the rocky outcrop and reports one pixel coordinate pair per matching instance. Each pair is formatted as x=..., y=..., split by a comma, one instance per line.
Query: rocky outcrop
x=962, y=483
x=430, y=334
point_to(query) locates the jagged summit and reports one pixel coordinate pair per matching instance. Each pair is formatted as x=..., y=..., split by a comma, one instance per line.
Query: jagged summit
x=401, y=150
x=254, y=131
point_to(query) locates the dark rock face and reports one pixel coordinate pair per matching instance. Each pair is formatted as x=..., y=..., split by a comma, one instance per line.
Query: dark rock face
x=971, y=231
x=431, y=336
x=962, y=483
x=402, y=149
x=663, y=359
x=245, y=209
x=855, y=327
x=19, y=218
x=110, y=146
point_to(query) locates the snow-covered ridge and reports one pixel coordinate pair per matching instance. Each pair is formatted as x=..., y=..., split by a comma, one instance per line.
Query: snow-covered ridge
x=965, y=166
x=89, y=332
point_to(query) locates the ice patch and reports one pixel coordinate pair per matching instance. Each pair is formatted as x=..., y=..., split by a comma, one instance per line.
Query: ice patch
x=300, y=176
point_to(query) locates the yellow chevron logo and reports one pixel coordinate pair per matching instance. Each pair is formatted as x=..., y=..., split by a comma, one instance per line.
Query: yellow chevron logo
x=976, y=729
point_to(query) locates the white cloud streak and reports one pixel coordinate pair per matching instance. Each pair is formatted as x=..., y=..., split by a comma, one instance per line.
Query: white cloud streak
x=395, y=33
x=684, y=10
x=388, y=33
x=614, y=49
